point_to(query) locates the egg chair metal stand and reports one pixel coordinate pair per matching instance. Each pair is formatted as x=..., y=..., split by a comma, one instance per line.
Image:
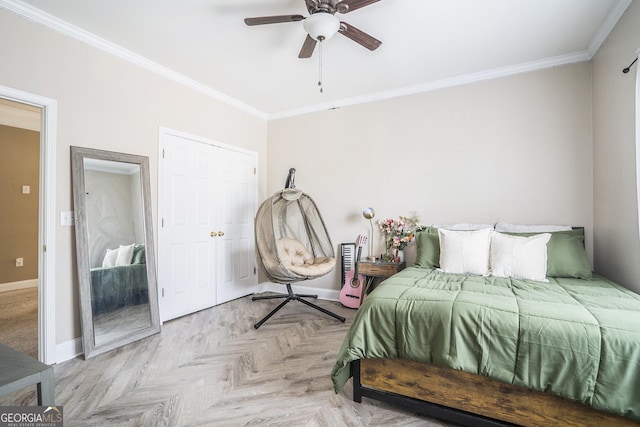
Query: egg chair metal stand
x=293, y=245
x=289, y=297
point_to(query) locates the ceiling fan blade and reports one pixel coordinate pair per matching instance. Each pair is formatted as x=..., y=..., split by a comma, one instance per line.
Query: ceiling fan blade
x=351, y=5
x=261, y=20
x=307, y=47
x=359, y=36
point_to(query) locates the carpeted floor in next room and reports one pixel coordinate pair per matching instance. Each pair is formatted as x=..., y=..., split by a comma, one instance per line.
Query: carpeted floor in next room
x=19, y=320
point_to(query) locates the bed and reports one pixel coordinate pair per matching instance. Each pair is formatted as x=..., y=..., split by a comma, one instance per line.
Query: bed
x=482, y=350
x=119, y=286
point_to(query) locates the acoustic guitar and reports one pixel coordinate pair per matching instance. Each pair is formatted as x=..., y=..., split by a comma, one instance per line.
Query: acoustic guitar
x=351, y=292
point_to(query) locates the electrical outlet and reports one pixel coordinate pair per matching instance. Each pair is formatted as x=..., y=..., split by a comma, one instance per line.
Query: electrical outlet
x=66, y=218
x=19, y=262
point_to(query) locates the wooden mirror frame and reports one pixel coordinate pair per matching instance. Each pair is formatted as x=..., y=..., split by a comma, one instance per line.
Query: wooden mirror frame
x=78, y=155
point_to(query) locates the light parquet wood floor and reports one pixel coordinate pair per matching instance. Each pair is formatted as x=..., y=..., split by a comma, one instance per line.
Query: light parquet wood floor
x=212, y=368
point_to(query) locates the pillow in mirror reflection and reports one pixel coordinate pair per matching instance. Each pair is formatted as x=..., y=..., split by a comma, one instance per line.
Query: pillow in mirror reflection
x=125, y=253
x=110, y=258
x=139, y=256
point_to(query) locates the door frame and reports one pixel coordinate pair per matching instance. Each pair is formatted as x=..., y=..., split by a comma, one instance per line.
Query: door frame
x=46, y=219
x=161, y=190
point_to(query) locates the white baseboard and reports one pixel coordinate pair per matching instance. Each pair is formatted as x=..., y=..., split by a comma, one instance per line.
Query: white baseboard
x=326, y=294
x=14, y=286
x=69, y=350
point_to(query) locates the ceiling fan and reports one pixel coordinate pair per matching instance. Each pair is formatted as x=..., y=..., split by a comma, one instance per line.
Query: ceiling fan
x=322, y=24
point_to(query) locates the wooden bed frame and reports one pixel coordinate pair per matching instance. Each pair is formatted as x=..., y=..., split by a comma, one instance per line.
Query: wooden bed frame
x=468, y=399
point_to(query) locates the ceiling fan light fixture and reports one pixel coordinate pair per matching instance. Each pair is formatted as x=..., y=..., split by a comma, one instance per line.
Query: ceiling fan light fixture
x=321, y=25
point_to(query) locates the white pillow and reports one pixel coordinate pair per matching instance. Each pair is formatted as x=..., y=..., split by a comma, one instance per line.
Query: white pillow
x=110, y=258
x=465, y=251
x=518, y=228
x=519, y=257
x=463, y=226
x=125, y=253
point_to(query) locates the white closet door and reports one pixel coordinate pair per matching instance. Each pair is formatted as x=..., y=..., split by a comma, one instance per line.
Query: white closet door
x=186, y=266
x=206, y=243
x=236, y=248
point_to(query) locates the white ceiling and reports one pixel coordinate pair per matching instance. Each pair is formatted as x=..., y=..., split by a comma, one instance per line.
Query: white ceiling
x=426, y=44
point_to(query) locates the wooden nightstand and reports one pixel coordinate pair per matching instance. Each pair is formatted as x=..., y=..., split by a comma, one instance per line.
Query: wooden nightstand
x=379, y=268
x=372, y=270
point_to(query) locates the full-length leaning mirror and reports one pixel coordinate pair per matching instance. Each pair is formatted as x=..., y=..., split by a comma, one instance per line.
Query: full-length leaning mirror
x=115, y=252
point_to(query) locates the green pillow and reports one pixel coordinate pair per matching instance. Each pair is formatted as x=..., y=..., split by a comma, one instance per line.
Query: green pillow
x=428, y=248
x=566, y=256
x=138, y=255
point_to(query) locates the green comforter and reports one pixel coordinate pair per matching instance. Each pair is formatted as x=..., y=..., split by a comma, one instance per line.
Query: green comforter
x=575, y=338
x=116, y=287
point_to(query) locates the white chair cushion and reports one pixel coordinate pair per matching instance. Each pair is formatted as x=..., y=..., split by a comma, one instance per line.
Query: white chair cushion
x=320, y=267
x=297, y=259
x=292, y=252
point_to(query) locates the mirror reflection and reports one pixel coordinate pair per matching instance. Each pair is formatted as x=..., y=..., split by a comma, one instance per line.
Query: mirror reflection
x=119, y=297
x=115, y=248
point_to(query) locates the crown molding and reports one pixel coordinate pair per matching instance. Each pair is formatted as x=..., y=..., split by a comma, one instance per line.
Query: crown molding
x=616, y=12
x=511, y=70
x=36, y=15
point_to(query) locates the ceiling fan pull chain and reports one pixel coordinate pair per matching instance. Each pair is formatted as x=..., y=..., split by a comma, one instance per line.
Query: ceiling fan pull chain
x=320, y=68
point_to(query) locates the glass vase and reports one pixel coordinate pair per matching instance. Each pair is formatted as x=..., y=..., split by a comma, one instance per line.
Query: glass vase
x=396, y=255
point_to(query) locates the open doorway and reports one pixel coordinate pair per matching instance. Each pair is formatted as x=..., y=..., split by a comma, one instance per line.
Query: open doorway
x=19, y=225
x=22, y=110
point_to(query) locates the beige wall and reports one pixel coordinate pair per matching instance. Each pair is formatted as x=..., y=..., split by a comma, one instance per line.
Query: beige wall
x=107, y=103
x=617, y=248
x=19, y=165
x=516, y=149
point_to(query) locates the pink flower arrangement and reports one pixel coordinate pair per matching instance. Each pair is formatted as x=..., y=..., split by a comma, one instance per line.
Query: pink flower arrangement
x=398, y=233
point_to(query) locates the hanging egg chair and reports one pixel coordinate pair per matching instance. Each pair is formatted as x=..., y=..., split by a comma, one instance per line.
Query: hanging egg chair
x=292, y=243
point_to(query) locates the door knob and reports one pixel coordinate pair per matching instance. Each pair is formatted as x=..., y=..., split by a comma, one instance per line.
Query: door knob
x=220, y=233
x=213, y=234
